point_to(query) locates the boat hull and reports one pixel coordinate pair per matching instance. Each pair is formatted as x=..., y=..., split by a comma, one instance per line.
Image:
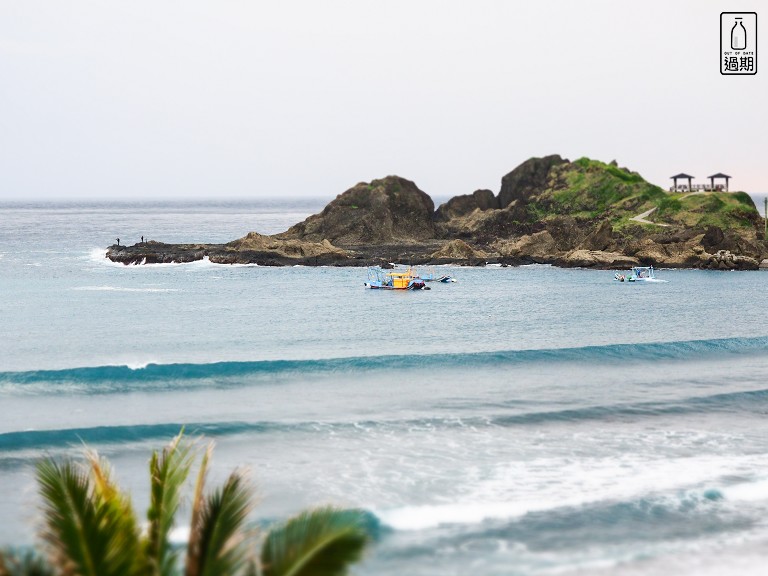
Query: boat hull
x=412, y=286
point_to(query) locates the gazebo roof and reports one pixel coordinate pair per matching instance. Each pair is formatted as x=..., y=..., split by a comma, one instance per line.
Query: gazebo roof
x=719, y=175
x=682, y=175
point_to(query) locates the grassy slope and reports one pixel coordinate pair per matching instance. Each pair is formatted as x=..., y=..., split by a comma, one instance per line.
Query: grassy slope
x=588, y=189
x=722, y=209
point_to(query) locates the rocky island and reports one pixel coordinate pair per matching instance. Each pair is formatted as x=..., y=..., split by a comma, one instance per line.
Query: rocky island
x=550, y=210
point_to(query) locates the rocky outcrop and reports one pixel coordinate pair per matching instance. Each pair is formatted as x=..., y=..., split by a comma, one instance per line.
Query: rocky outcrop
x=600, y=238
x=387, y=211
x=548, y=210
x=598, y=259
x=528, y=179
x=252, y=249
x=724, y=260
x=459, y=206
x=458, y=250
x=691, y=250
x=540, y=247
x=256, y=242
x=486, y=226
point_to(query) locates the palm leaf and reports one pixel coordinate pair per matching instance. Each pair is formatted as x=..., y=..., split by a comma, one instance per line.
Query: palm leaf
x=118, y=518
x=222, y=538
x=321, y=542
x=28, y=563
x=193, y=563
x=68, y=513
x=168, y=472
x=84, y=521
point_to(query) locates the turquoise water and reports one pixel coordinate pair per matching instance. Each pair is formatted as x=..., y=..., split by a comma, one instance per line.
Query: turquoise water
x=523, y=420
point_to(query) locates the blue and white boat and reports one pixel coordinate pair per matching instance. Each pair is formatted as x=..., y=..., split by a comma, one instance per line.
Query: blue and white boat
x=432, y=276
x=638, y=274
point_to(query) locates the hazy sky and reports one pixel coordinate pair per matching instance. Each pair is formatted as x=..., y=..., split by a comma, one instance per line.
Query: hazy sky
x=140, y=99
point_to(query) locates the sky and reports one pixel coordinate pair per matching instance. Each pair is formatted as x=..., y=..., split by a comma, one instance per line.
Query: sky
x=192, y=99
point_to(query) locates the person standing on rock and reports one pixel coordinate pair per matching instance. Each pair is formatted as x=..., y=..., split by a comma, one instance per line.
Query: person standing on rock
x=118, y=241
x=142, y=239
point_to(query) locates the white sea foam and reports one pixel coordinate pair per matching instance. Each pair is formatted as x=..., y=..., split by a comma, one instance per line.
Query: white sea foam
x=98, y=255
x=204, y=263
x=425, y=516
x=756, y=491
x=252, y=265
x=138, y=365
x=517, y=489
x=122, y=289
x=731, y=555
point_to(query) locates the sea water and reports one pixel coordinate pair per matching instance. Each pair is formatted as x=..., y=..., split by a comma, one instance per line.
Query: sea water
x=523, y=420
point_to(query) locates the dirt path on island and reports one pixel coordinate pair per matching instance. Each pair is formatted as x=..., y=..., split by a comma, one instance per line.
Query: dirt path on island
x=642, y=218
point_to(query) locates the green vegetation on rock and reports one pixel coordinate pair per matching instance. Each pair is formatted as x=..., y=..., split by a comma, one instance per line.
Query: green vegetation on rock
x=700, y=210
x=589, y=189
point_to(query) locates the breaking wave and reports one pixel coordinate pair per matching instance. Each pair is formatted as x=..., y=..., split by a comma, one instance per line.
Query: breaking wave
x=117, y=377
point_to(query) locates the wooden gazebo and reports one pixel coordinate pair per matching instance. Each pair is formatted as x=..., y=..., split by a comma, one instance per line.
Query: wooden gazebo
x=719, y=175
x=682, y=176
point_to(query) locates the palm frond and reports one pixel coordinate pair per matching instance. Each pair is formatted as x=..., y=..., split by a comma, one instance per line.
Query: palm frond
x=85, y=521
x=193, y=564
x=252, y=569
x=16, y=563
x=68, y=514
x=118, y=518
x=320, y=542
x=222, y=537
x=168, y=472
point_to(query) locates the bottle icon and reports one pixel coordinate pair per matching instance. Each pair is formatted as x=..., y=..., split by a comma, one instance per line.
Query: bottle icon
x=738, y=35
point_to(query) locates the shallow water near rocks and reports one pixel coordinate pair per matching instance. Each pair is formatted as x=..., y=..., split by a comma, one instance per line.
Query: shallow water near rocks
x=527, y=420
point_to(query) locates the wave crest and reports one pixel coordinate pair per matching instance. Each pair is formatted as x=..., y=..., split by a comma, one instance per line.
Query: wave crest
x=606, y=354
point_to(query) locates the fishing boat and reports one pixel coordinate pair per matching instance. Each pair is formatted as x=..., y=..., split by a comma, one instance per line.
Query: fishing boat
x=431, y=276
x=638, y=274
x=379, y=279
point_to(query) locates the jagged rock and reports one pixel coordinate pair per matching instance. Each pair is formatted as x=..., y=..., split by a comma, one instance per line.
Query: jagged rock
x=458, y=250
x=287, y=248
x=600, y=238
x=725, y=260
x=486, y=226
x=599, y=259
x=156, y=253
x=527, y=179
x=462, y=205
x=676, y=236
x=253, y=248
x=538, y=247
x=671, y=255
x=567, y=232
x=548, y=210
x=712, y=237
x=390, y=210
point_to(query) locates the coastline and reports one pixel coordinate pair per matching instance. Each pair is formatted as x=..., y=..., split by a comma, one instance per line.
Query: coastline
x=386, y=257
x=549, y=210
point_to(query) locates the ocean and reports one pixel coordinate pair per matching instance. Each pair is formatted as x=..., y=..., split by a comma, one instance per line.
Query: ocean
x=523, y=420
